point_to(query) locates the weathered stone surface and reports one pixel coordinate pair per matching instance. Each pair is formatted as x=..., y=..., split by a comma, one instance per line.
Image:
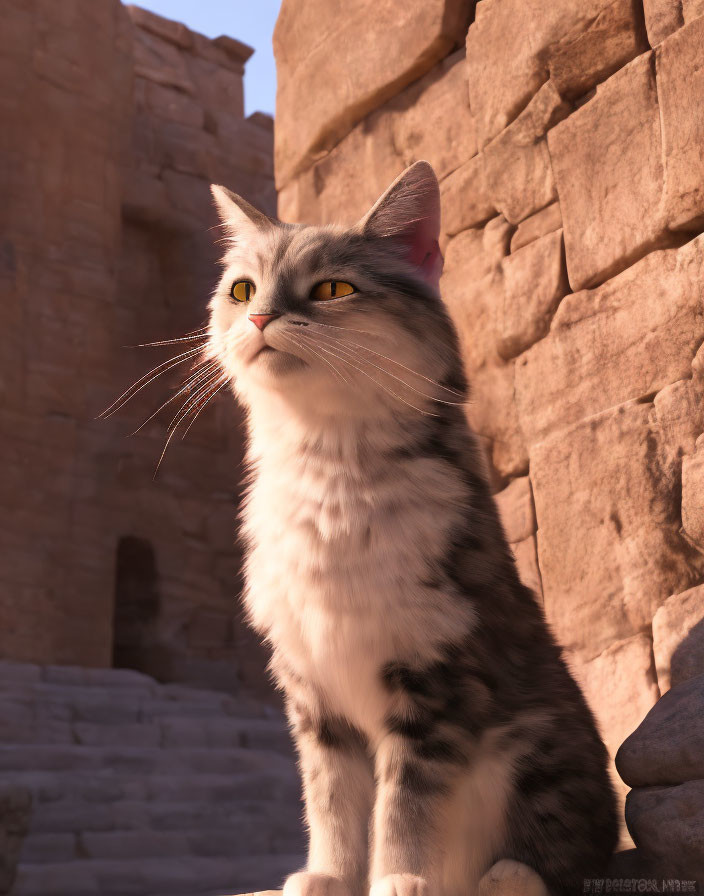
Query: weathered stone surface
x=535, y=280
x=492, y=387
x=168, y=30
x=158, y=60
x=668, y=745
x=429, y=120
x=547, y=220
x=465, y=198
x=517, y=166
x=311, y=40
x=516, y=509
x=627, y=339
x=680, y=72
x=620, y=686
x=526, y=555
x=679, y=413
x=678, y=638
x=15, y=808
x=667, y=825
x=609, y=42
x=693, y=495
x=510, y=45
x=662, y=18
x=607, y=162
x=692, y=9
x=608, y=528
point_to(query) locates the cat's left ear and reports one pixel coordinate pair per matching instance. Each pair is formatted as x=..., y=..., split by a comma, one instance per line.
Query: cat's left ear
x=408, y=214
x=237, y=214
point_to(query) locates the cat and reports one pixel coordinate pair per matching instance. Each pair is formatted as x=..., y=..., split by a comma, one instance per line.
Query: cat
x=443, y=745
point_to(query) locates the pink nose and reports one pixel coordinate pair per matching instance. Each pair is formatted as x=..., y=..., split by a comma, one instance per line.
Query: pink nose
x=261, y=320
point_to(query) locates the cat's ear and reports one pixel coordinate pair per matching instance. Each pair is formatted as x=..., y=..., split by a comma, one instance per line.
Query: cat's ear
x=236, y=214
x=408, y=214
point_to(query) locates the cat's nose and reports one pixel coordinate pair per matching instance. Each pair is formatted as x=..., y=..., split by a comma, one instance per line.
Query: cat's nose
x=261, y=320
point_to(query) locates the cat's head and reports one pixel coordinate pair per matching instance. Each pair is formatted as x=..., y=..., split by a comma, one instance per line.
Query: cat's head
x=337, y=320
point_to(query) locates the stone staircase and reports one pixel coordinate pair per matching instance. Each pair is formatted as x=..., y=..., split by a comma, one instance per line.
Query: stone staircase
x=142, y=789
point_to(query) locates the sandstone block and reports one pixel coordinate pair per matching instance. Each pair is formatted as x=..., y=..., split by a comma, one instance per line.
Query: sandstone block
x=168, y=30
x=667, y=825
x=608, y=528
x=668, y=745
x=510, y=45
x=678, y=638
x=607, y=162
x=679, y=414
x=526, y=556
x=611, y=40
x=547, y=220
x=680, y=73
x=311, y=37
x=429, y=120
x=627, y=339
x=492, y=387
x=692, y=9
x=159, y=61
x=535, y=280
x=465, y=198
x=518, y=173
x=174, y=105
x=662, y=18
x=693, y=495
x=516, y=510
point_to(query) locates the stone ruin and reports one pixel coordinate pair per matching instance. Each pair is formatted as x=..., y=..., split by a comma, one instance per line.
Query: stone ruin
x=568, y=139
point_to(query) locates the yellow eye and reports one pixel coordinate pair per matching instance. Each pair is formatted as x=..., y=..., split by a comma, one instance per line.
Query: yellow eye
x=243, y=290
x=332, y=289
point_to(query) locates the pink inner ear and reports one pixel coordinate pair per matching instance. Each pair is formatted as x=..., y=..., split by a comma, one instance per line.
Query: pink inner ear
x=424, y=251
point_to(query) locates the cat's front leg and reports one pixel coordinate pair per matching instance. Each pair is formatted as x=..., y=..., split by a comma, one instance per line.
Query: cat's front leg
x=338, y=787
x=411, y=801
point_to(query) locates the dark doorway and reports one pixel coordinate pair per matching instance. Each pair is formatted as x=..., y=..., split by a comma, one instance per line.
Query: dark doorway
x=137, y=603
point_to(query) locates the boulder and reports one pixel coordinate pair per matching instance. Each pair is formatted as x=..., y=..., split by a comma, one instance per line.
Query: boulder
x=465, y=198
x=678, y=638
x=692, y=9
x=385, y=46
x=668, y=746
x=627, y=339
x=535, y=280
x=667, y=826
x=662, y=18
x=609, y=545
x=607, y=162
x=492, y=387
x=680, y=72
x=518, y=173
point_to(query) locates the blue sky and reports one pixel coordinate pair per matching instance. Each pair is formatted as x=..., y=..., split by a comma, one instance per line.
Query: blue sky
x=250, y=22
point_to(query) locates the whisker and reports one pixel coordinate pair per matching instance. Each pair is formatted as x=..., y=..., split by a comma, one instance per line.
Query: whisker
x=305, y=347
x=202, y=336
x=200, y=408
x=195, y=379
x=377, y=383
x=398, y=363
x=153, y=374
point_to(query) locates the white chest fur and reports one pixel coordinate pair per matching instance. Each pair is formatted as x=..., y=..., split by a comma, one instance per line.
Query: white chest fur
x=336, y=569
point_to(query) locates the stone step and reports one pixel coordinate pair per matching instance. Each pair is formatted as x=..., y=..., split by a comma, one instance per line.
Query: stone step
x=179, y=876
x=16, y=758
x=77, y=788
x=236, y=835
x=178, y=812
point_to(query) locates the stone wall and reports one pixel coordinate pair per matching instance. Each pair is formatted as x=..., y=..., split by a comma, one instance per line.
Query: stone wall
x=568, y=138
x=114, y=122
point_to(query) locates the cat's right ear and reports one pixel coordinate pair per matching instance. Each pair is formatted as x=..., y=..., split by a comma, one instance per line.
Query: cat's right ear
x=236, y=214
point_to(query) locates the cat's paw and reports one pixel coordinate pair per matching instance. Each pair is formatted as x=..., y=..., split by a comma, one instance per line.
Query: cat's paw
x=509, y=878
x=400, y=885
x=308, y=883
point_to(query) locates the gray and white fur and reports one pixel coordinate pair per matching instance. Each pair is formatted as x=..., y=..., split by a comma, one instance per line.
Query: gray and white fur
x=444, y=747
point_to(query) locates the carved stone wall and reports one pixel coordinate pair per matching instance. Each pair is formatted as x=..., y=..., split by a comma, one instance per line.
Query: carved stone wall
x=113, y=123
x=567, y=136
